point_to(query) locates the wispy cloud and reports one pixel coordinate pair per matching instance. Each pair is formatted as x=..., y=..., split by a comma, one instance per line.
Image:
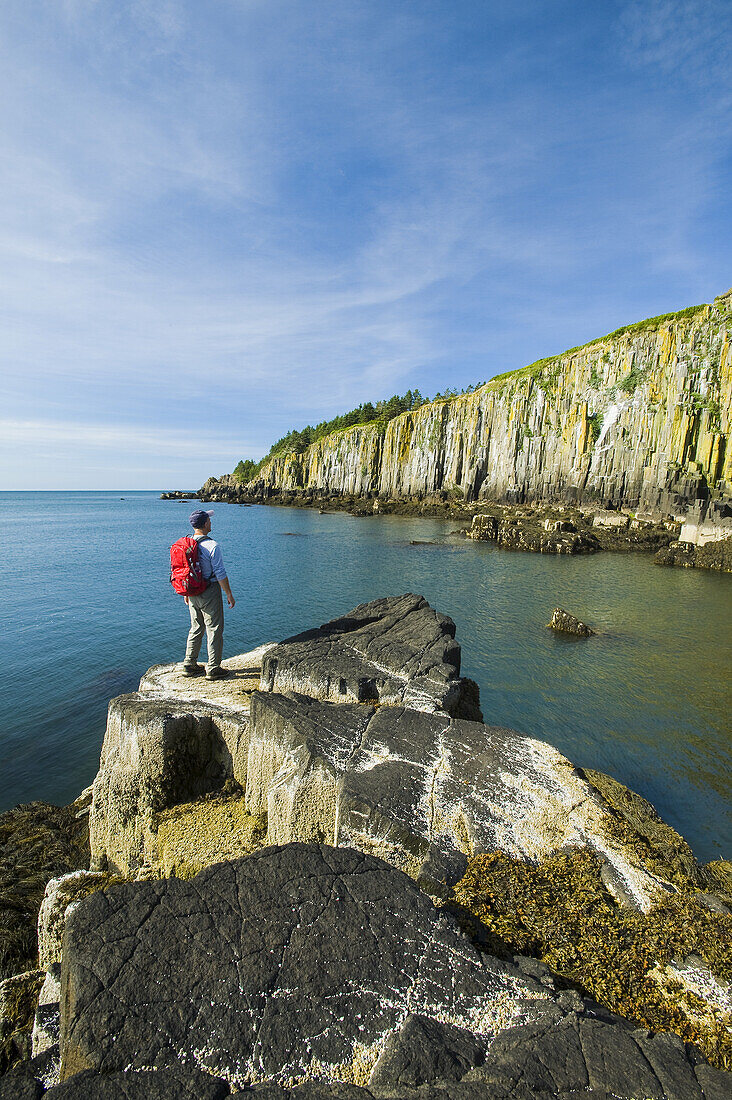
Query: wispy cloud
x=688, y=40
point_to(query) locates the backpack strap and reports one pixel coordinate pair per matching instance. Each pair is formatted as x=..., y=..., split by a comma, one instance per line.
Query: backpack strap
x=199, y=539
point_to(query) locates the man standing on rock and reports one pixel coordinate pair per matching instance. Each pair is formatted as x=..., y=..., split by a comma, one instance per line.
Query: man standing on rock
x=207, y=610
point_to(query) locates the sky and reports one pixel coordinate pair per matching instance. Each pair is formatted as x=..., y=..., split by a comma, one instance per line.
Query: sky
x=224, y=219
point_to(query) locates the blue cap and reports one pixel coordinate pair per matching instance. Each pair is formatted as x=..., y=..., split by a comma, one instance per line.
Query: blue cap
x=199, y=517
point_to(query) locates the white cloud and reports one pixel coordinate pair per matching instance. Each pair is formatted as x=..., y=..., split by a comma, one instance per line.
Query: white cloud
x=47, y=435
x=274, y=225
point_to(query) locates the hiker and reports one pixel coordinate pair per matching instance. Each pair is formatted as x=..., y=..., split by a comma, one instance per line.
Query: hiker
x=207, y=608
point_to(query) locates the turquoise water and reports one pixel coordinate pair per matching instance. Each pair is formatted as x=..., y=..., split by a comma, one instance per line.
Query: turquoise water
x=87, y=607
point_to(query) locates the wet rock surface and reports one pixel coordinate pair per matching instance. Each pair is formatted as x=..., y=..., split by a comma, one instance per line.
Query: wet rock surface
x=525, y=532
x=18, y=997
x=37, y=842
x=396, y=650
x=715, y=555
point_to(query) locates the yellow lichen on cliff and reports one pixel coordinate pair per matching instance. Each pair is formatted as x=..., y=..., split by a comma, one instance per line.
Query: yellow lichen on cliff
x=667, y=348
x=661, y=389
x=406, y=428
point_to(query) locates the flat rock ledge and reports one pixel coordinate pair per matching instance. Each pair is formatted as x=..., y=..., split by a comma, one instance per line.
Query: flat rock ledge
x=420, y=788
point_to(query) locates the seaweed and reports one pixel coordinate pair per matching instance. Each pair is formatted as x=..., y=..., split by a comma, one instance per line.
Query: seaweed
x=559, y=911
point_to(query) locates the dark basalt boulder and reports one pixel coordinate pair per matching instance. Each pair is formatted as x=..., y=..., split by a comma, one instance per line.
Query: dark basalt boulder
x=425, y=1050
x=293, y=963
x=396, y=650
x=313, y=973
x=21, y=1086
x=151, y=1085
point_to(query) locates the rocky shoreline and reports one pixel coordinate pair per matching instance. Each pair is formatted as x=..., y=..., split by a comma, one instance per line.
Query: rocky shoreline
x=546, y=528
x=327, y=876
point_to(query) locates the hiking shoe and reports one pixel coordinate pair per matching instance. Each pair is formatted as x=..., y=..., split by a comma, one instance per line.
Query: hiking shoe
x=192, y=670
x=218, y=673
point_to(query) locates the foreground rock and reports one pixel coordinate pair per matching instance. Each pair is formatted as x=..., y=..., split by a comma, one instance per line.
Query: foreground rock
x=533, y=856
x=308, y=963
x=422, y=791
x=293, y=963
x=396, y=651
x=37, y=842
x=168, y=745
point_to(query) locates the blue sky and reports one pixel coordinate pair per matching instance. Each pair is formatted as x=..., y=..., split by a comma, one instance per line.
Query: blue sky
x=222, y=219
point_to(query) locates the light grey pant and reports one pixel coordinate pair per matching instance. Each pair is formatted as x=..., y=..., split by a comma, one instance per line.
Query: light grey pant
x=207, y=616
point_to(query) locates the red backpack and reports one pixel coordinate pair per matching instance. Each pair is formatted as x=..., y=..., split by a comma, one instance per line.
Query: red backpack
x=185, y=568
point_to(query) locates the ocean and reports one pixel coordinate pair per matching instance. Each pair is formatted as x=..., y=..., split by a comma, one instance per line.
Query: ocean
x=87, y=608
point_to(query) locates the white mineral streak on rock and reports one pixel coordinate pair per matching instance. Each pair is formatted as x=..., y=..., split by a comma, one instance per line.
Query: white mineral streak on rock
x=377, y=754
x=610, y=418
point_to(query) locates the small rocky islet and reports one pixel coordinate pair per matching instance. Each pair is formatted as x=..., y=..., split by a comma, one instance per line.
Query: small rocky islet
x=330, y=876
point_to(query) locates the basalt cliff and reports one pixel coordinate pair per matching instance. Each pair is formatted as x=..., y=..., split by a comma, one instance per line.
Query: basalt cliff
x=638, y=419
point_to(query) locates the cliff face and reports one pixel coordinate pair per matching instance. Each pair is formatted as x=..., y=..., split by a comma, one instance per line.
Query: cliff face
x=641, y=416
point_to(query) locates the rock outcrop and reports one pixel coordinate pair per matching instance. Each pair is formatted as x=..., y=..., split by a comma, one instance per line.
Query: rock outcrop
x=715, y=555
x=638, y=418
x=396, y=651
x=564, y=623
x=421, y=788
x=526, y=533
x=424, y=791
x=315, y=959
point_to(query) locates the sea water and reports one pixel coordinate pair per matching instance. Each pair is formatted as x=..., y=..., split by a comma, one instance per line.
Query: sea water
x=87, y=607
